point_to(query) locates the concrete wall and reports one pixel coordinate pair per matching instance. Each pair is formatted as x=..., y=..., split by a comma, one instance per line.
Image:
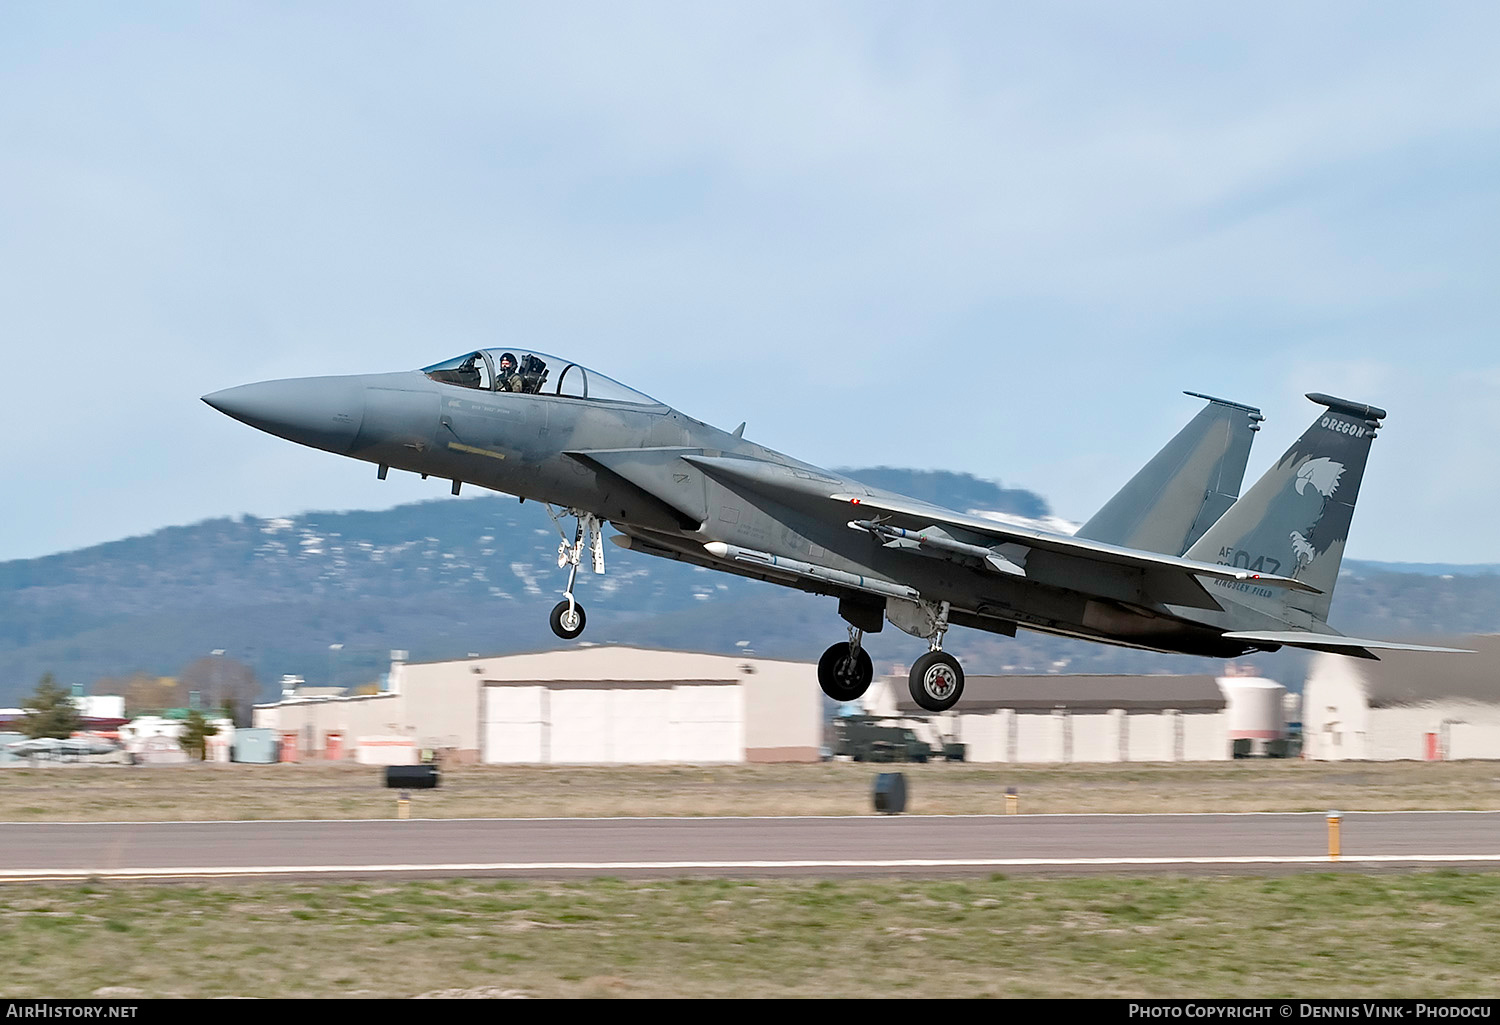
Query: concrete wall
x=1461, y=729
x=1474, y=739
x=986, y=736
x=1037, y=738
x=1205, y=736
x=1057, y=735
x=1006, y=735
x=1150, y=737
x=1096, y=736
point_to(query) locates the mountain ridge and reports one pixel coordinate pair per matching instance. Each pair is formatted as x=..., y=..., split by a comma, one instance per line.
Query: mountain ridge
x=446, y=577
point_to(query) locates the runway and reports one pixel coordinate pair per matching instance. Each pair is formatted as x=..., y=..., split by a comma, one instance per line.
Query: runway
x=803, y=846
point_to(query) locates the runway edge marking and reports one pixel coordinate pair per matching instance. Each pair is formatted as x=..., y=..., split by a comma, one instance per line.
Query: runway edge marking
x=50, y=875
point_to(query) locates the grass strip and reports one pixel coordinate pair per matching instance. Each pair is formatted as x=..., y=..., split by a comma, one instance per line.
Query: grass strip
x=1325, y=935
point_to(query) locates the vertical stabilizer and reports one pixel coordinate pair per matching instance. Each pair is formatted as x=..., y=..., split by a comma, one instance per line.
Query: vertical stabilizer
x=1185, y=487
x=1295, y=520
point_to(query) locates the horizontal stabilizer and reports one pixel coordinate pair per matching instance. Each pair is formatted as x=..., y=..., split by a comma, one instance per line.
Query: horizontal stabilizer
x=1359, y=647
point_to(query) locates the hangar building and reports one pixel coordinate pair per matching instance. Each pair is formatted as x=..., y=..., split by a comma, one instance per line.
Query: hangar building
x=1410, y=704
x=1055, y=718
x=585, y=705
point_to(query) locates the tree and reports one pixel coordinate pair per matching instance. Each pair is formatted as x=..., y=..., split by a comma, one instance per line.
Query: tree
x=50, y=712
x=222, y=683
x=195, y=733
x=145, y=693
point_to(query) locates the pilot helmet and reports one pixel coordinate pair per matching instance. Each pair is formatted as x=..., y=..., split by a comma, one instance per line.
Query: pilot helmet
x=507, y=357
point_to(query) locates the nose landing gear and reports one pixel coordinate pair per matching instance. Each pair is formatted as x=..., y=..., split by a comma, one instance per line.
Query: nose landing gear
x=567, y=617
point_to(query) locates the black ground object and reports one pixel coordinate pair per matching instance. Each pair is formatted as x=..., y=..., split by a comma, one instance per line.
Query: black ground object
x=890, y=793
x=412, y=777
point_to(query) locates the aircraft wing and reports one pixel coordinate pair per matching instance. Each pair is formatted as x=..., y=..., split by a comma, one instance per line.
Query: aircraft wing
x=1359, y=647
x=908, y=512
x=815, y=492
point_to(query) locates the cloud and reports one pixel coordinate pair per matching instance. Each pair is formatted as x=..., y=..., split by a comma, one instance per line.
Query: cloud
x=988, y=237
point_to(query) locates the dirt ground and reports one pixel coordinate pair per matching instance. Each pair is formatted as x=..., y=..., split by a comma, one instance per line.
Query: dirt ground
x=219, y=791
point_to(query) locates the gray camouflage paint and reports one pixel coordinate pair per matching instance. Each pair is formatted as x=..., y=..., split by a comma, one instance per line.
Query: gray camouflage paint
x=670, y=484
x=1185, y=487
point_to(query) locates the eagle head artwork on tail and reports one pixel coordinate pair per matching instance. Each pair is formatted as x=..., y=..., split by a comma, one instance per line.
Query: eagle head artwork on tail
x=1317, y=479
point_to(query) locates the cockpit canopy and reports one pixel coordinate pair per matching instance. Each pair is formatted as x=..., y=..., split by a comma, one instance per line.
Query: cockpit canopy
x=529, y=372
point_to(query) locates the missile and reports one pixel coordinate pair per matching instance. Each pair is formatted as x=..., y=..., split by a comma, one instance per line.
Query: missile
x=809, y=570
x=939, y=541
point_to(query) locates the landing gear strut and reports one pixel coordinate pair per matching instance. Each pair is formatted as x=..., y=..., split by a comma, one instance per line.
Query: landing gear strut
x=937, y=680
x=567, y=617
x=845, y=670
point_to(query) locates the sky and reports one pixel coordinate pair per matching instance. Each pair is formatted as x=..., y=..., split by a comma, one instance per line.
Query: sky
x=999, y=238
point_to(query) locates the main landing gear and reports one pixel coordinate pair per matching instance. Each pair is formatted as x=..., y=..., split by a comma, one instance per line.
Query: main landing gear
x=936, y=680
x=567, y=617
x=845, y=670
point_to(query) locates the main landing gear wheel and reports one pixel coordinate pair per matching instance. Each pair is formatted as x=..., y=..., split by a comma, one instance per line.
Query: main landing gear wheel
x=937, y=681
x=845, y=677
x=568, y=619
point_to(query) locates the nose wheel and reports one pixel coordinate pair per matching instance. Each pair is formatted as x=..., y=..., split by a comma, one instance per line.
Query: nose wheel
x=567, y=617
x=845, y=670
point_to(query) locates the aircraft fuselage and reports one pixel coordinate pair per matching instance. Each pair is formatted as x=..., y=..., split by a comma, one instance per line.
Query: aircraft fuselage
x=519, y=444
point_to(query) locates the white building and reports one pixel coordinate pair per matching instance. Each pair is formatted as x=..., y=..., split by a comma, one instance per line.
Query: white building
x=1415, y=705
x=101, y=706
x=1055, y=718
x=586, y=705
x=157, y=739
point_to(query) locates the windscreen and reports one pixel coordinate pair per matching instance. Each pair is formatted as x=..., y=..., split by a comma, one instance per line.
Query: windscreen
x=528, y=372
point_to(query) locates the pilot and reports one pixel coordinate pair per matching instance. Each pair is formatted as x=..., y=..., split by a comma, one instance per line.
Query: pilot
x=508, y=378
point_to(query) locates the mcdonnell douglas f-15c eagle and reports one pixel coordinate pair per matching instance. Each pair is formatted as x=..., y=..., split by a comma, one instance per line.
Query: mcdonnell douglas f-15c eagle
x=1172, y=563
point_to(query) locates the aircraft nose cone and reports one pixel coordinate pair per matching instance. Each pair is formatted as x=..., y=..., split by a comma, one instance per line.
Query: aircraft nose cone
x=323, y=412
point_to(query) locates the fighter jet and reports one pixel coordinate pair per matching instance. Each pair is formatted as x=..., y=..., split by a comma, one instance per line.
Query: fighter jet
x=71, y=747
x=1175, y=562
